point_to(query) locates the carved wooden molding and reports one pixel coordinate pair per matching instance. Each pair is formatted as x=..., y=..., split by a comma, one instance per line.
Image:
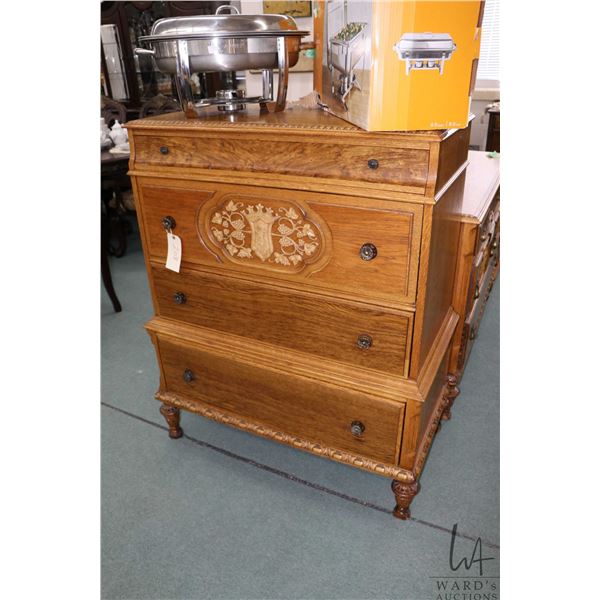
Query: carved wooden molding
x=206, y=124
x=342, y=456
x=405, y=493
x=273, y=234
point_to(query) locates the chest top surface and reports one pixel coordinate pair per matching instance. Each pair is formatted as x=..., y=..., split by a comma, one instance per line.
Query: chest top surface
x=298, y=120
x=481, y=184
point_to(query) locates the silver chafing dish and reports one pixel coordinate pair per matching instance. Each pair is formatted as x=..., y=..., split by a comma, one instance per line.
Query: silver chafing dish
x=212, y=43
x=425, y=50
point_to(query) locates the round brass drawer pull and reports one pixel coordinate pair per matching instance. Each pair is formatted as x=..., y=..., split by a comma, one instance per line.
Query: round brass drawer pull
x=179, y=298
x=188, y=375
x=164, y=150
x=364, y=341
x=168, y=223
x=357, y=428
x=373, y=163
x=368, y=251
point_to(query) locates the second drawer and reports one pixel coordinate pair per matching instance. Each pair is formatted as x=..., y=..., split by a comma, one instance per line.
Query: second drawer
x=370, y=337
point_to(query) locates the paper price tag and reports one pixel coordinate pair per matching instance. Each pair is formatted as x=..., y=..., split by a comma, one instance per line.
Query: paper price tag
x=173, y=252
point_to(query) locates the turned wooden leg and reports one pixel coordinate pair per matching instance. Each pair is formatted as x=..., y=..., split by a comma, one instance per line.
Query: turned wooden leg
x=404, y=492
x=452, y=391
x=171, y=415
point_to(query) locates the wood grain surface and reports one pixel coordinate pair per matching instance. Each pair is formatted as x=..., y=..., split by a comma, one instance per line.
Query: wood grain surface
x=272, y=211
x=301, y=121
x=296, y=406
x=390, y=277
x=439, y=253
x=453, y=153
x=298, y=320
x=406, y=167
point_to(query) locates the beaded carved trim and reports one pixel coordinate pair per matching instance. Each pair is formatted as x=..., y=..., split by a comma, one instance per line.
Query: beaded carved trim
x=203, y=123
x=353, y=460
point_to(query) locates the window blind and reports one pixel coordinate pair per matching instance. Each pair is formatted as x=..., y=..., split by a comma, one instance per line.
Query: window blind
x=489, y=53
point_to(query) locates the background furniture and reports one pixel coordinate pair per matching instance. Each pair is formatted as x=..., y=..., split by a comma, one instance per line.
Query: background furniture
x=479, y=252
x=493, y=135
x=111, y=110
x=104, y=264
x=142, y=81
x=159, y=105
x=114, y=182
x=113, y=179
x=314, y=301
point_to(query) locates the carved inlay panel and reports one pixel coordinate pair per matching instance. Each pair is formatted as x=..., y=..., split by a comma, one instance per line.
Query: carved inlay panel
x=278, y=235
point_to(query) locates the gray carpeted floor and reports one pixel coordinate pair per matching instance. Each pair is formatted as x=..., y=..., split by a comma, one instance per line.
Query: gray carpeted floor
x=223, y=514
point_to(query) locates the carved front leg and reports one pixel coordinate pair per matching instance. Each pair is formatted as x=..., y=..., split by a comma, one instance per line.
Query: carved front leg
x=404, y=492
x=452, y=391
x=172, y=415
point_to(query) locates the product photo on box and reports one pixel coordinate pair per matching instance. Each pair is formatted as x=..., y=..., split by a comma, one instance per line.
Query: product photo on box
x=399, y=65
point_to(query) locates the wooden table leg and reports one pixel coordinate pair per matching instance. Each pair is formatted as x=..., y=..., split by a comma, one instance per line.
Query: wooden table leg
x=105, y=268
x=172, y=416
x=404, y=492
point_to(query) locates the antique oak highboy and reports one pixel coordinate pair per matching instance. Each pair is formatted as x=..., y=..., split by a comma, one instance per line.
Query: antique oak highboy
x=314, y=300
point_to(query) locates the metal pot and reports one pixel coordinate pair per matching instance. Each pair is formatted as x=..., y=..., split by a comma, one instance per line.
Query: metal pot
x=234, y=42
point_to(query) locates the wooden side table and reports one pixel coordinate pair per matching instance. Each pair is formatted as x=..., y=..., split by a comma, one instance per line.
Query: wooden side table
x=114, y=169
x=478, y=256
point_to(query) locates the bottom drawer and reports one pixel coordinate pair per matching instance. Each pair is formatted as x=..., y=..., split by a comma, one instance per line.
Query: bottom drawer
x=329, y=415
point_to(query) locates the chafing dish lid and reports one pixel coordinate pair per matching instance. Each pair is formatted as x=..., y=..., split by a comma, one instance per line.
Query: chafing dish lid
x=426, y=41
x=231, y=25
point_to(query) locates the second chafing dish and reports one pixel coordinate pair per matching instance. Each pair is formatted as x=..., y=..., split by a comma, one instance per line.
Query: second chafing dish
x=425, y=50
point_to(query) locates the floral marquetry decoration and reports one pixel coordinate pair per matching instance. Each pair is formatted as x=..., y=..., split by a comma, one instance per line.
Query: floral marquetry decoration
x=276, y=235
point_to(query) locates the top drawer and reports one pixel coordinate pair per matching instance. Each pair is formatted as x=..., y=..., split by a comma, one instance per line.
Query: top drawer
x=406, y=167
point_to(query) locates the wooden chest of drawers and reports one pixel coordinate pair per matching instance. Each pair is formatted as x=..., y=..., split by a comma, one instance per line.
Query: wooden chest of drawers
x=314, y=300
x=479, y=252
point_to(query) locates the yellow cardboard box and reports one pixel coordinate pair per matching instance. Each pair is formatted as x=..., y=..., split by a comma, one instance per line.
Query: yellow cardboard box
x=398, y=65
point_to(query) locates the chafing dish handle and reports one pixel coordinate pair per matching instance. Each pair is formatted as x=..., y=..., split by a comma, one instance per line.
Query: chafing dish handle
x=142, y=51
x=283, y=63
x=231, y=8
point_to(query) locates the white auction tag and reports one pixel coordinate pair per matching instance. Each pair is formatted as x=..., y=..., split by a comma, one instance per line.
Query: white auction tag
x=173, y=252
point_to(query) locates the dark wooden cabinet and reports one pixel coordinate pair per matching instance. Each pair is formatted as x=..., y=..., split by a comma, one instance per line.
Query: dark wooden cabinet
x=493, y=134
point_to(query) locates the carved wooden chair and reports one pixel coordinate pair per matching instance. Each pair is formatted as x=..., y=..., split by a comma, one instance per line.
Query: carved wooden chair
x=112, y=110
x=159, y=105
